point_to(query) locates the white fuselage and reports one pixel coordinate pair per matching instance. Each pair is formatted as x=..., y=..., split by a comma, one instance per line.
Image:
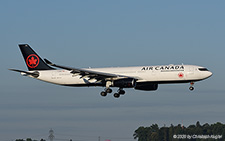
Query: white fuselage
x=155, y=74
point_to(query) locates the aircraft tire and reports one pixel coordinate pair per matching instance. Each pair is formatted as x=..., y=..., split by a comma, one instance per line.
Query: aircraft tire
x=103, y=93
x=121, y=92
x=108, y=90
x=191, y=88
x=116, y=95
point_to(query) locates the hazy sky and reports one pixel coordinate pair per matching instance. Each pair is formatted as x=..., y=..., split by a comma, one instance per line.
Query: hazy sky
x=104, y=34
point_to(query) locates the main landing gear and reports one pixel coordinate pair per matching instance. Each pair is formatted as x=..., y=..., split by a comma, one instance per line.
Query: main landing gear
x=191, y=88
x=119, y=92
x=107, y=90
x=116, y=95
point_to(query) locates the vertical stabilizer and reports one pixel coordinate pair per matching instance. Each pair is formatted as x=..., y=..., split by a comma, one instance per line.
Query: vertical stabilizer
x=32, y=60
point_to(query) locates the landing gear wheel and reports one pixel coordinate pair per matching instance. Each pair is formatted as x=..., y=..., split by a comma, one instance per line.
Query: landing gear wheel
x=116, y=95
x=103, y=93
x=108, y=90
x=120, y=91
x=191, y=88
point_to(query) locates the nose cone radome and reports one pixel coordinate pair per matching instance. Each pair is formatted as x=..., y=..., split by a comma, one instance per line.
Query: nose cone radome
x=208, y=74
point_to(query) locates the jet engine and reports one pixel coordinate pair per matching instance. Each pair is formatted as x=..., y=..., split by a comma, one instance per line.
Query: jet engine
x=124, y=83
x=146, y=86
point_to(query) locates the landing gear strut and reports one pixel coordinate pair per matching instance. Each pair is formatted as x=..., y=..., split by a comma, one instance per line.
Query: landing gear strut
x=107, y=89
x=191, y=88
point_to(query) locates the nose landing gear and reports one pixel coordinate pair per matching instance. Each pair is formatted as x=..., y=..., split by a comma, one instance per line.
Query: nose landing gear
x=191, y=88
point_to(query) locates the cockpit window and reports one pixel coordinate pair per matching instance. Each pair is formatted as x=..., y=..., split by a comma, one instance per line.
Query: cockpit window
x=203, y=69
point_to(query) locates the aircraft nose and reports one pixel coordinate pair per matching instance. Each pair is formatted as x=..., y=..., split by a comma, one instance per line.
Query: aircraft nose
x=208, y=74
x=205, y=73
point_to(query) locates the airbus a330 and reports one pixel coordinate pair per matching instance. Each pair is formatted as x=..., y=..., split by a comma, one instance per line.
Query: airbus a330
x=145, y=78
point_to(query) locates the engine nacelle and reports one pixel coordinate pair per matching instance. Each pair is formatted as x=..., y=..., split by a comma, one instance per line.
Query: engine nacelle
x=124, y=83
x=147, y=86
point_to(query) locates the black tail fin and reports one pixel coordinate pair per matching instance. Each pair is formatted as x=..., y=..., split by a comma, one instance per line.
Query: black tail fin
x=33, y=61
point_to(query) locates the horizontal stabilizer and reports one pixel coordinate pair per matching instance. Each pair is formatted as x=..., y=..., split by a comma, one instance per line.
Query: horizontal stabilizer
x=34, y=74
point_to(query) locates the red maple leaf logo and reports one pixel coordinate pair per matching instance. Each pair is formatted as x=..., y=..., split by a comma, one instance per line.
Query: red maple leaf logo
x=181, y=75
x=32, y=61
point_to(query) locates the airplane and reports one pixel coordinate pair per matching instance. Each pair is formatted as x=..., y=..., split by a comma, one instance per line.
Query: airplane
x=146, y=78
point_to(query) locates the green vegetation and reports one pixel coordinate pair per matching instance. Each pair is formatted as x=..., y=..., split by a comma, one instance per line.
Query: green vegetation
x=195, y=132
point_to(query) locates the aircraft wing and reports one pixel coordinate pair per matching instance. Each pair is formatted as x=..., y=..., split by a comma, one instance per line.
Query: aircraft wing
x=89, y=73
